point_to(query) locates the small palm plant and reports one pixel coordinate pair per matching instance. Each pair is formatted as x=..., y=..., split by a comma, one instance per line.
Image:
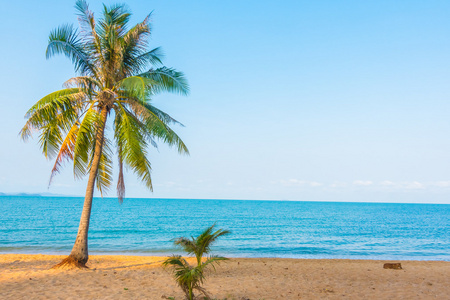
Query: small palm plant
x=201, y=244
x=188, y=277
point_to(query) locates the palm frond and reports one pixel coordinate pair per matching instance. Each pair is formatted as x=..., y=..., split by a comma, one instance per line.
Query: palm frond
x=85, y=142
x=104, y=174
x=176, y=260
x=188, y=245
x=156, y=124
x=65, y=151
x=111, y=29
x=89, y=35
x=169, y=80
x=134, y=55
x=86, y=83
x=186, y=276
x=65, y=40
x=131, y=142
x=207, y=238
x=47, y=110
x=86, y=20
x=115, y=16
x=51, y=98
x=135, y=86
x=53, y=121
x=212, y=260
x=152, y=57
x=50, y=139
x=164, y=117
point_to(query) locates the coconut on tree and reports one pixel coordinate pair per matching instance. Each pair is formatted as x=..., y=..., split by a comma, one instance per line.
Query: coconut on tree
x=118, y=76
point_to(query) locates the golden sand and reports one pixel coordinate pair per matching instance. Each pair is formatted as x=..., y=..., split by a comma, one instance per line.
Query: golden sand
x=143, y=277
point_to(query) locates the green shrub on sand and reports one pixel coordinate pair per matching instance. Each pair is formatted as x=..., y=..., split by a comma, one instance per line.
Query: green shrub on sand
x=188, y=277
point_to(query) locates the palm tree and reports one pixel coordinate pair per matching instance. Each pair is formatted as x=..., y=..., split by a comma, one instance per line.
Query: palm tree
x=188, y=277
x=201, y=244
x=117, y=80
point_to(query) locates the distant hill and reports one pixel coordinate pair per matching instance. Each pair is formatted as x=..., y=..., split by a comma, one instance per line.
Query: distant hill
x=35, y=194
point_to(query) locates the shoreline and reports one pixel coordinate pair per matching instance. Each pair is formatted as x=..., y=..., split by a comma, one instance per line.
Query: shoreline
x=24, y=276
x=162, y=255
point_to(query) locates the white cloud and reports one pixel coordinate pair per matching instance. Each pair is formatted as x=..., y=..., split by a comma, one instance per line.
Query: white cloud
x=203, y=181
x=300, y=183
x=442, y=184
x=338, y=184
x=405, y=185
x=384, y=185
x=362, y=182
x=387, y=183
x=414, y=185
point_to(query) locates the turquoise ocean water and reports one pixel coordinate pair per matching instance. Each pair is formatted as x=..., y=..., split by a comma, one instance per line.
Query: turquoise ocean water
x=259, y=228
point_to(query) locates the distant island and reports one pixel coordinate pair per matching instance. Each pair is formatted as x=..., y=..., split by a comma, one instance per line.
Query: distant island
x=35, y=194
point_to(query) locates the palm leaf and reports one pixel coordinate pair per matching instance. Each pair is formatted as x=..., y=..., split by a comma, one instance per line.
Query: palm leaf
x=50, y=139
x=135, y=43
x=156, y=124
x=88, y=31
x=135, y=86
x=65, y=40
x=87, y=84
x=211, y=260
x=152, y=57
x=169, y=80
x=45, y=111
x=104, y=174
x=85, y=142
x=52, y=98
x=131, y=144
x=66, y=150
x=189, y=246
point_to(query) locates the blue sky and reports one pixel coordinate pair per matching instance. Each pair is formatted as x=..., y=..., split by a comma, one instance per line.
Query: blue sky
x=290, y=100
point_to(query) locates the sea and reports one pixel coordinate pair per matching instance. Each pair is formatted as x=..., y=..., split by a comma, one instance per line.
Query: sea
x=287, y=229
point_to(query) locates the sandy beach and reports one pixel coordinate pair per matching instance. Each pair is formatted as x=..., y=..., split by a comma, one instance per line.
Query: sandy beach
x=143, y=277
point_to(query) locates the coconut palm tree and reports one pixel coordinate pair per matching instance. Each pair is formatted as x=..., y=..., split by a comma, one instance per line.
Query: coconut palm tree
x=202, y=244
x=118, y=76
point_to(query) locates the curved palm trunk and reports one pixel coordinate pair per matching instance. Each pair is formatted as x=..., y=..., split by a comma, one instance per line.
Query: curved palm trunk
x=79, y=255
